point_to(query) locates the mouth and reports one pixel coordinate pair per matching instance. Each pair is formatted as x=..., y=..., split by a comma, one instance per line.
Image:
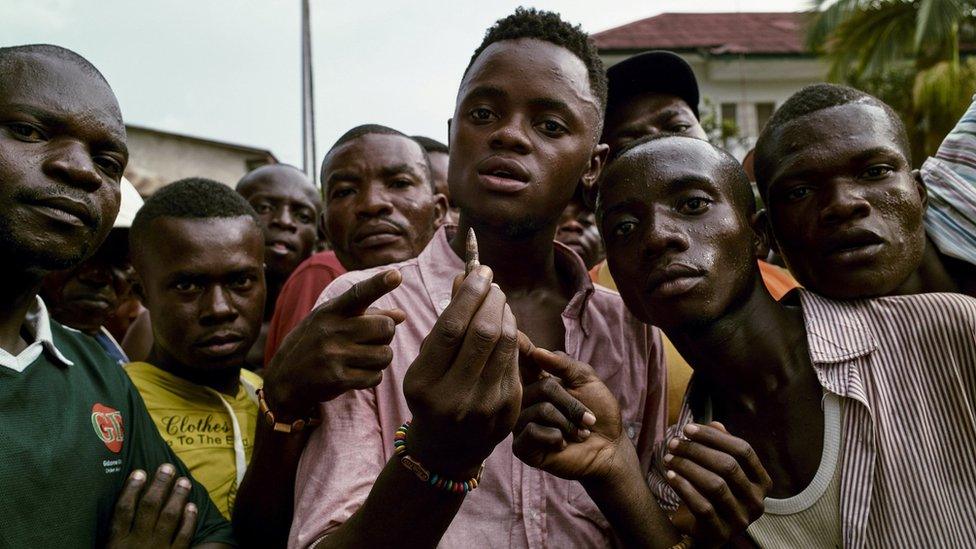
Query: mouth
x=220, y=344
x=96, y=302
x=65, y=210
x=279, y=248
x=377, y=235
x=854, y=245
x=498, y=174
x=673, y=280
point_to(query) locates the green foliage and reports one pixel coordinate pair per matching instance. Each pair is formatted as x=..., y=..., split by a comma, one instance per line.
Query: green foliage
x=905, y=52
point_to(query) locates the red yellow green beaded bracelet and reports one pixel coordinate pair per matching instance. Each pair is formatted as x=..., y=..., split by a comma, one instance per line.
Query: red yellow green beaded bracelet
x=432, y=479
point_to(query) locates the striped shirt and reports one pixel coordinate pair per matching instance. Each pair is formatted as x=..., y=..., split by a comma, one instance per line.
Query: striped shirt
x=905, y=367
x=950, y=177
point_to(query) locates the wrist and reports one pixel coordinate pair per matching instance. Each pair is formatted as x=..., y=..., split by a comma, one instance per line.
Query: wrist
x=623, y=468
x=439, y=455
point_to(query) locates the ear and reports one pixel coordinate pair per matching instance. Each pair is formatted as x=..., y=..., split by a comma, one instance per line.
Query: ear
x=764, y=239
x=441, y=207
x=598, y=159
x=923, y=191
x=449, y=120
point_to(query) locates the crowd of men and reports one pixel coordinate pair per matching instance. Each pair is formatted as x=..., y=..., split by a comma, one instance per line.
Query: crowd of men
x=706, y=356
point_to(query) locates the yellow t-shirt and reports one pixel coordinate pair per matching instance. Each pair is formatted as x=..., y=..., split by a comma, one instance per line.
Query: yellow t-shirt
x=195, y=421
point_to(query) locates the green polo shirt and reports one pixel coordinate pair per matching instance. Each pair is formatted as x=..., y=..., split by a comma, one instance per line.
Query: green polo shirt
x=72, y=428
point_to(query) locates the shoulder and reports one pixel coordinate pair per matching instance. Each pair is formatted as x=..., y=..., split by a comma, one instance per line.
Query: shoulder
x=609, y=307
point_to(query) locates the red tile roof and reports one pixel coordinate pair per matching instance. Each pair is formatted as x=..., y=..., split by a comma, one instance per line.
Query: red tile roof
x=779, y=33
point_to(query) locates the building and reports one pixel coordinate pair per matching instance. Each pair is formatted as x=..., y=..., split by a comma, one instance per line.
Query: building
x=157, y=158
x=747, y=64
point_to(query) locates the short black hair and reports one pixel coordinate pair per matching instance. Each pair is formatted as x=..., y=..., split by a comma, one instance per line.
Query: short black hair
x=741, y=188
x=431, y=145
x=378, y=129
x=8, y=54
x=808, y=100
x=190, y=198
x=550, y=27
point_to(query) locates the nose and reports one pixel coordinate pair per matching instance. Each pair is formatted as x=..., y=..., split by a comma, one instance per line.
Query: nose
x=216, y=308
x=283, y=219
x=95, y=275
x=511, y=135
x=374, y=201
x=662, y=237
x=842, y=201
x=72, y=165
x=571, y=226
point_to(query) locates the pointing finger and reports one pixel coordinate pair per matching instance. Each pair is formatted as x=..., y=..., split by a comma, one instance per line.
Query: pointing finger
x=355, y=300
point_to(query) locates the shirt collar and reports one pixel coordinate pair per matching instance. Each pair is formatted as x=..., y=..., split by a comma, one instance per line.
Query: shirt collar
x=438, y=263
x=38, y=324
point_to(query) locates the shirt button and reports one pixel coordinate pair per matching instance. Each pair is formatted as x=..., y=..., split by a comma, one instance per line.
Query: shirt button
x=631, y=432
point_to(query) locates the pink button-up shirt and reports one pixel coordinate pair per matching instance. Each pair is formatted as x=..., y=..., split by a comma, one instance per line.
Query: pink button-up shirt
x=514, y=505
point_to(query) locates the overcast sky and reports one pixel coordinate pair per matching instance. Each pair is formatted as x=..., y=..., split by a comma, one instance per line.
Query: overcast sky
x=230, y=69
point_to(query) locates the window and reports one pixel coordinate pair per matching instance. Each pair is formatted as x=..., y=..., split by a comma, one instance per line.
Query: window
x=728, y=113
x=763, y=113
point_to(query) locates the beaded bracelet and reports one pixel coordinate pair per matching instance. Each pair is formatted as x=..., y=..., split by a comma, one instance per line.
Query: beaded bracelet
x=431, y=479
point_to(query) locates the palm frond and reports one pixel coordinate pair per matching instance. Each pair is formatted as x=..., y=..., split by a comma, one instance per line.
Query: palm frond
x=870, y=39
x=937, y=26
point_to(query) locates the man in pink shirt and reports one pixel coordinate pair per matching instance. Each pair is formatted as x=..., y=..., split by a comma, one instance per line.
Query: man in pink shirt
x=519, y=149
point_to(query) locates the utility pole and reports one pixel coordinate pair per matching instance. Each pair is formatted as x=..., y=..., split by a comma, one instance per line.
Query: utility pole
x=308, y=99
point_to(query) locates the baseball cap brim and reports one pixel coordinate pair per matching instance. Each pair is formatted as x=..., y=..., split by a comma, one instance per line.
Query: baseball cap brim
x=658, y=71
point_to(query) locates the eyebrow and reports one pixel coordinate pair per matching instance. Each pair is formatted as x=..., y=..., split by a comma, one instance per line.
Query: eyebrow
x=54, y=120
x=487, y=92
x=342, y=176
x=397, y=169
x=547, y=103
x=859, y=158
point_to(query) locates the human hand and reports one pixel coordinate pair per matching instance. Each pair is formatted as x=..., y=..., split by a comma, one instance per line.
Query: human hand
x=342, y=345
x=721, y=483
x=463, y=388
x=570, y=422
x=153, y=516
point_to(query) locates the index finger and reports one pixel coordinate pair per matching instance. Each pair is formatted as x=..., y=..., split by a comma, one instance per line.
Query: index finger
x=742, y=451
x=449, y=331
x=355, y=300
x=126, y=504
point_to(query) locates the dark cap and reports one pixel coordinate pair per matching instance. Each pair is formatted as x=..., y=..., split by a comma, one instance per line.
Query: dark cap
x=657, y=71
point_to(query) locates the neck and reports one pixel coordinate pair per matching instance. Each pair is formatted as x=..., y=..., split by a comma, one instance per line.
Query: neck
x=519, y=264
x=753, y=352
x=934, y=275
x=225, y=380
x=17, y=295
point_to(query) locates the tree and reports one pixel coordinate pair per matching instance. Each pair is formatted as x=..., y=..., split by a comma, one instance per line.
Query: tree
x=905, y=52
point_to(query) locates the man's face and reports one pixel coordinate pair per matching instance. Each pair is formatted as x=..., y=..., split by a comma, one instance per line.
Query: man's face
x=523, y=136
x=679, y=249
x=438, y=168
x=86, y=296
x=649, y=114
x=287, y=205
x=203, y=283
x=62, y=154
x=577, y=230
x=379, y=206
x=844, y=205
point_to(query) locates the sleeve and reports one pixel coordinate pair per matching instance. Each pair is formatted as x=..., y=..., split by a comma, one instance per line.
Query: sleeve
x=296, y=300
x=950, y=179
x=656, y=405
x=341, y=461
x=665, y=496
x=149, y=451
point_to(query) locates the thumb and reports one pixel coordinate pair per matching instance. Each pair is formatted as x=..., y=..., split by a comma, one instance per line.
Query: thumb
x=355, y=300
x=573, y=373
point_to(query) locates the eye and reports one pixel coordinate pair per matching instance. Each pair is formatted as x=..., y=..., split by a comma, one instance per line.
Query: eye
x=185, y=286
x=695, y=205
x=401, y=183
x=305, y=217
x=482, y=114
x=109, y=165
x=26, y=132
x=877, y=172
x=341, y=193
x=679, y=128
x=797, y=193
x=262, y=207
x=243, y=282
x=624, y=228
x=552, y=127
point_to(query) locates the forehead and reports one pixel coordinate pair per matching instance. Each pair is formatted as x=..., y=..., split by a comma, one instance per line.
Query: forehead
x=375, y=151
x=834, y=134
x=63, y=89
x=531, y=68
x=646, y=105
x=281, y=184
x=210, y=245
x=646, y=172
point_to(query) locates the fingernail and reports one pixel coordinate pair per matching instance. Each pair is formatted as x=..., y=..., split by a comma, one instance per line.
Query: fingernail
x=563, y=445
x=691, y=429
x=668, y=458
x=191, y=508
x=496, y=286
x=673, y=443
x=589, y=419
x=138, y=474
x=484, y=271
x=389, y=277
x=583, y=433
x=670, y=474
x=166, y=471
x=183, y=483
